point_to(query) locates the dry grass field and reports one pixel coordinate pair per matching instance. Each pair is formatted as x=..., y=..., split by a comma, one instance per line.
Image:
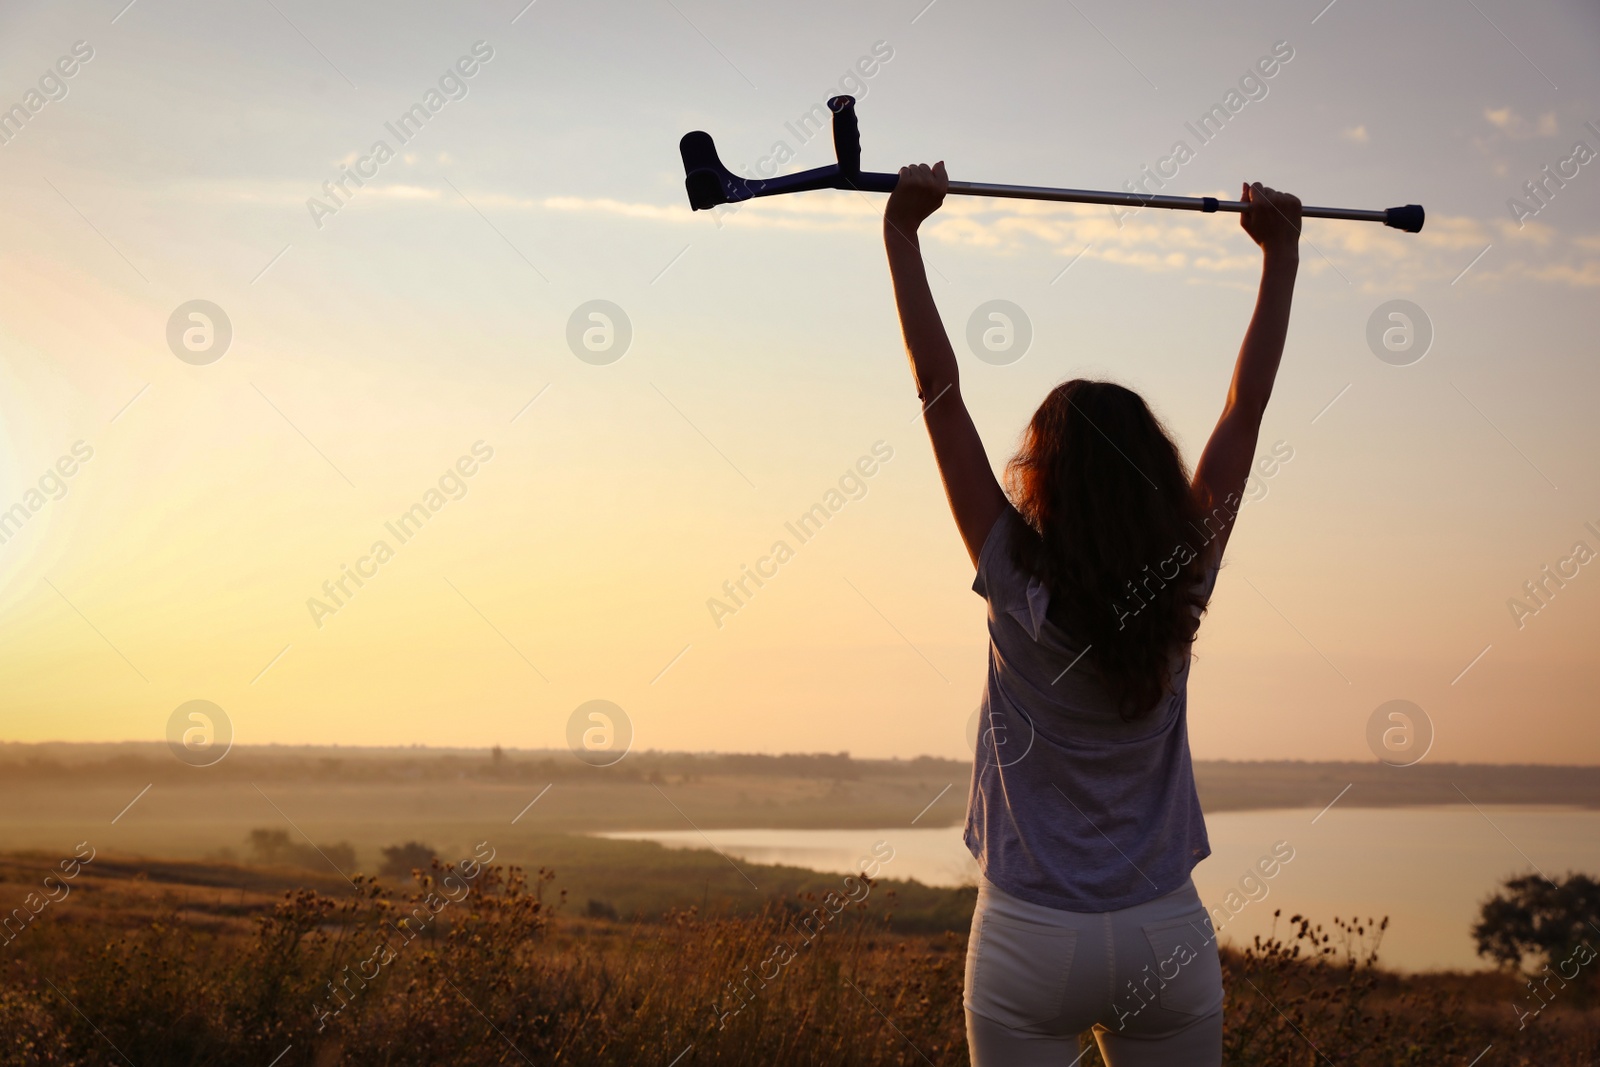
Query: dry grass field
x=184, y=963
x=221, y=919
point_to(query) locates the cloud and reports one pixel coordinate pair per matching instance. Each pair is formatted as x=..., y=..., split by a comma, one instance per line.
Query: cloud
x=1208, y=249
x=815, y=212
x=1211, y=252
x=1507, y=121
x=1535, y=232
x=1581, y=274
x=599, y=206
x=402, y=192
x=1452, y=233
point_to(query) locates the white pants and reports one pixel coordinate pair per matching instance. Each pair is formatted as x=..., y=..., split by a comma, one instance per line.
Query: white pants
x=1146, y=979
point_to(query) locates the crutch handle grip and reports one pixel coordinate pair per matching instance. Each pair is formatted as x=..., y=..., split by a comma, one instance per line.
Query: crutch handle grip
x=846, y=137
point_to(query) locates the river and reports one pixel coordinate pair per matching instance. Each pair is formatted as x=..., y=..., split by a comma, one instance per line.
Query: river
x=1427, y=869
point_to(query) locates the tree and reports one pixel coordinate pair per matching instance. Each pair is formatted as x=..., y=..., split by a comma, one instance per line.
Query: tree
x=270, y=847
x=399, y=860
x=1557, y=923
x=273, y=848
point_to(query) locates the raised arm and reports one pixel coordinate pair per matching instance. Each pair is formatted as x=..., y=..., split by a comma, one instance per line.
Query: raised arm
x=976, y=498
x=1273, y=221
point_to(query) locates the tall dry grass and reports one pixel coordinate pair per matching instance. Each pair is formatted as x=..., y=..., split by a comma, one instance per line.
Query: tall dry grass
x=503, y=975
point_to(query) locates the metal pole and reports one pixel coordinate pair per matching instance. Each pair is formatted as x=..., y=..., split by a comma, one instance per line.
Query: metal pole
x=1138, y=200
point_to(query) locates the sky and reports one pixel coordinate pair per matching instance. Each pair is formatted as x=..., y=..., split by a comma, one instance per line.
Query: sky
x=405, y=341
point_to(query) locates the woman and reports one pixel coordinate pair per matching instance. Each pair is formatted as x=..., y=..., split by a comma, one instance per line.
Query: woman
x=1083, y=814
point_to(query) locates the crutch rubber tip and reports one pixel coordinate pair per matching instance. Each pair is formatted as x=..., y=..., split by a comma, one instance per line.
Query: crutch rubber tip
x=1408, y=218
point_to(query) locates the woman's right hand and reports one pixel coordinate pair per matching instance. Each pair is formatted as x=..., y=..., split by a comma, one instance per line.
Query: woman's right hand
x=1272, y=219
x=918, y=194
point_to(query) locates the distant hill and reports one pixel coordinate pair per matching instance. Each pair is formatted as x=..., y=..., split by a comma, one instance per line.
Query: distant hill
x=1225, y=785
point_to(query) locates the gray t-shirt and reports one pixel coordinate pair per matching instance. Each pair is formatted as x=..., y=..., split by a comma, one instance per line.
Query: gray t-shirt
x=1070, y=806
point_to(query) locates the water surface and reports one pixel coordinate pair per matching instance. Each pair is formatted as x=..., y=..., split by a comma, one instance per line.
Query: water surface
x=1427, y=869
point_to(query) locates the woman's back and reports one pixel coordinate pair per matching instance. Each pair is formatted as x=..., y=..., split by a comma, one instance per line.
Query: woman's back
x=1072, y=806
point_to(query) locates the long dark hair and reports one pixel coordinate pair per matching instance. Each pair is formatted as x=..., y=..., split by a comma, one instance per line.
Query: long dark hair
x=1108, y=499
